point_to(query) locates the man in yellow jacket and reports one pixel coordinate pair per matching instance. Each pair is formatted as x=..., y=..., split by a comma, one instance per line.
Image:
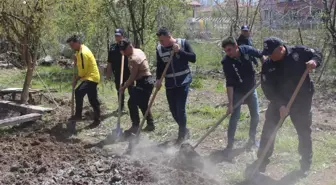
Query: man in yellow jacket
x=88, y=73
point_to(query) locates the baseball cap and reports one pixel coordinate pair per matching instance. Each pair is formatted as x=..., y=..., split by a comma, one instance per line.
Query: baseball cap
x=270, y=44
x=245, y=28
x=124, y=43
x=162, y=31
x=119, y=32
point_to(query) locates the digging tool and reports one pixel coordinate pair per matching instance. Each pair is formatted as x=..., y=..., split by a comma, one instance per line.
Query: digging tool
x=117, y=132
x=249, y=173
x=132, y=142
x=71, y=126
x=187, y=157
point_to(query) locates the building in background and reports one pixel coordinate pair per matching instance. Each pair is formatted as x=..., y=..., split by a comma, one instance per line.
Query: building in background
x=291, y=13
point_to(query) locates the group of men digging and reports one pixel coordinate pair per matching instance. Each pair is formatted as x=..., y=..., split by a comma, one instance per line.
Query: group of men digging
x=282, y=68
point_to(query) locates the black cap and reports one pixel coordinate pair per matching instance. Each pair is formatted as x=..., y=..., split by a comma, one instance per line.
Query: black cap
x=119, y=32
x=162, y=31
x=270, y=44
x=245, y=28
x=124, y=43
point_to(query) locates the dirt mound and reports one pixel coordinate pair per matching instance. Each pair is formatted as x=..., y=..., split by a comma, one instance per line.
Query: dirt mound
x=37, y=158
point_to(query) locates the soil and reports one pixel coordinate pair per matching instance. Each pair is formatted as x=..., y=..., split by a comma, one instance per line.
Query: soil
x=37, y=158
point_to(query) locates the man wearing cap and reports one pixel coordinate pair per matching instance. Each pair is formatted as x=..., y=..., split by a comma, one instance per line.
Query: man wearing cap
x=240, y=79
x=88, y=73
x=245, y=39
x=178, y=76
x=139, y=94
x=114, y=64
x=280, y=75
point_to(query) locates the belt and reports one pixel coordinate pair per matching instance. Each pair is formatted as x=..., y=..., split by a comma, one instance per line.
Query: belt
x=178, y=73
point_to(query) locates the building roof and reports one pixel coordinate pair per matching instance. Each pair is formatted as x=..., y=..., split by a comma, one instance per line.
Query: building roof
x=195, y=3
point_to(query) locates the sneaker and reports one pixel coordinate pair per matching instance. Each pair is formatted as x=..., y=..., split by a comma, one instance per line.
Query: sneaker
x=75, y=118
x=182, y=137
x=149, y=128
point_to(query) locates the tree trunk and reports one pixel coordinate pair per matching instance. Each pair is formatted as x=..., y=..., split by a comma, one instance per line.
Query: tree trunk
x=28, y=79
x=108, y=38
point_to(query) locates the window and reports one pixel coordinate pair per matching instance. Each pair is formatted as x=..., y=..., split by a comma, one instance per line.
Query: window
x=266, y=14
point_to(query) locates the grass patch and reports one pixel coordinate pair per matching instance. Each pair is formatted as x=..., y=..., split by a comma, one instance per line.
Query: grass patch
x=197, y=83
x=206, y=111
x=207, y=60
x=220, y=88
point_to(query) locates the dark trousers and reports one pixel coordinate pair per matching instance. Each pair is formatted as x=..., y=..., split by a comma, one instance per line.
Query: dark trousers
x=177, y=100
x=89, y=88
x=139, y=98
x=301, y=117
x=252, y=103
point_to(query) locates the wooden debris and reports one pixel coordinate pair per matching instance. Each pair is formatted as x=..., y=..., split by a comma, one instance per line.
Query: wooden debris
x=20, y=119
x=23, y=108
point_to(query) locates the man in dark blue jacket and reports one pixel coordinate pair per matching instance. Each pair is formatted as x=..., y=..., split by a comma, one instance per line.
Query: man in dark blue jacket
x=178, y=76
x=281, y=74
x=245, y=39
x=240, y=79
x=114, y=64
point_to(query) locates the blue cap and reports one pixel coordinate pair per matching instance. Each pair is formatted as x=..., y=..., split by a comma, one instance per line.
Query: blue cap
x=245, y=28
x=270, y=44
x=119, y=32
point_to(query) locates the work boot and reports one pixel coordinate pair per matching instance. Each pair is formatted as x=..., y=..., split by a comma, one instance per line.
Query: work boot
x=149, y=128
x=75, y=118
x=95, y=124
x=305, y=167
x=250, y=144
x=182, y=136
x=131, y=131
x=150, y=125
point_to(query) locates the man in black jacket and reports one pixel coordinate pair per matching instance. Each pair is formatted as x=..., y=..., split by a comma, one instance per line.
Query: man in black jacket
x=245, y=39
x=240, y=79
x=281, y=74
x=114, y=64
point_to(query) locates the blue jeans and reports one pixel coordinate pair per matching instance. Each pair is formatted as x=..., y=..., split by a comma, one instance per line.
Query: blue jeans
x=177, y=99
x=252, y=103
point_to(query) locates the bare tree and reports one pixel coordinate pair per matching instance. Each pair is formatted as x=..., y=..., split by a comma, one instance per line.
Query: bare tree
x=22, y=23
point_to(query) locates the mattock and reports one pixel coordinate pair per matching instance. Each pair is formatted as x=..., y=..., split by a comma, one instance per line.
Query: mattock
x=249, y=174
x=189, y=150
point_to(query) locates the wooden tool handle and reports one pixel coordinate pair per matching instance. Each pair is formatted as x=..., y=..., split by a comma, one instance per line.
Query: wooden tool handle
x=120, y=93
x=73, y=90
x=155, y=93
